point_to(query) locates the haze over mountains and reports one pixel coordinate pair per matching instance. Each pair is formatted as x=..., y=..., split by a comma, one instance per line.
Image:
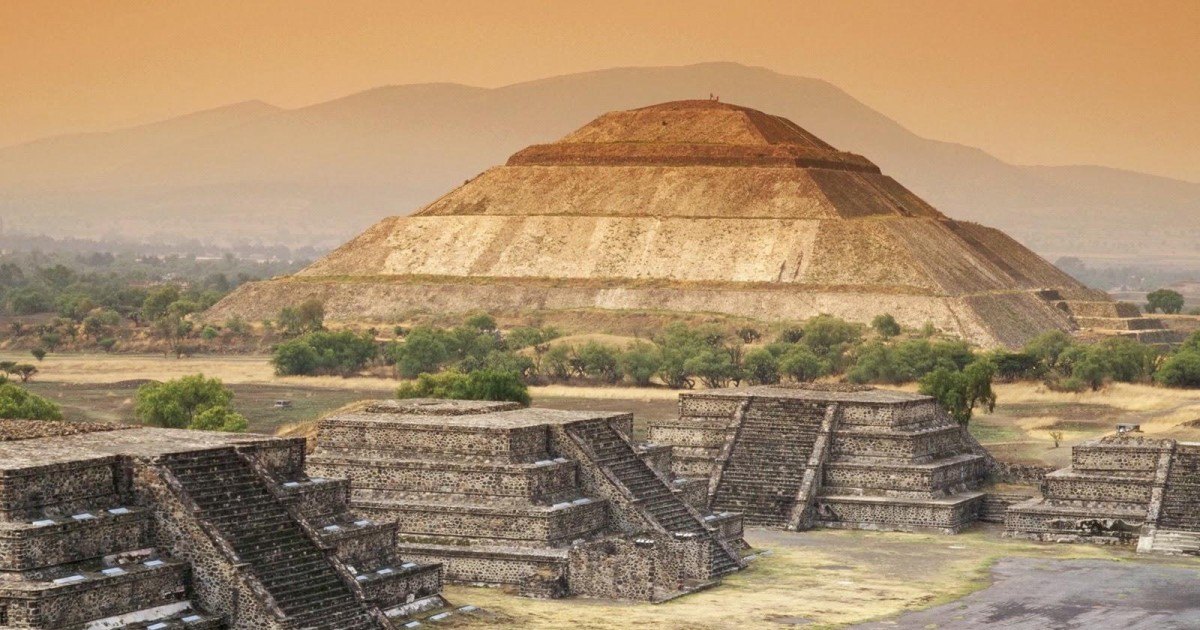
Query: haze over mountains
x=322, y=173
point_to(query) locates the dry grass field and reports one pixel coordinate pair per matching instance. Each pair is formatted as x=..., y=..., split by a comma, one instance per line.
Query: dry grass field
x=101, y=387
x=817, y=579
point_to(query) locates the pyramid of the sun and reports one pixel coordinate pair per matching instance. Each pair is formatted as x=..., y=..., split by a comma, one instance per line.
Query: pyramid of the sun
x=687, y=206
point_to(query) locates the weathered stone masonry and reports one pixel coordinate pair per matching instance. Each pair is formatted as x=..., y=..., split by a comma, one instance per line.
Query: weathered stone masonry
x=837, y=456
x=158, y=528
x=1119, y=489
x=554, y=503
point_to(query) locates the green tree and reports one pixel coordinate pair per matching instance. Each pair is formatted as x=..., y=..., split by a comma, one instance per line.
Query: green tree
x=340, y=353
x=600, y=361
x=640, y=361
x=714, y=367
x=307, y=317
x=885, y=325
x=1165, y=300
x=174, y=329
x=1180, y=369
x=479, y=385
x=1048, y=348
x=959, y=392
x=19, y=403
x=423, y=350
x=761, y=367
x=158, y=301
x=556, y=365
x=190, y=402
x=1014, y=366
x=802, y=364
x=100, y=321
x=25, y=371
x=38, y=353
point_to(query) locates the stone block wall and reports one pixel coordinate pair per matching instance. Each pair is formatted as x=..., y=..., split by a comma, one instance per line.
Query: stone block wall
x=885, y=445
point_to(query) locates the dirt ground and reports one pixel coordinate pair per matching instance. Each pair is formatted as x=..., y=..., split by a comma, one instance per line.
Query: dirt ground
x=833, y=578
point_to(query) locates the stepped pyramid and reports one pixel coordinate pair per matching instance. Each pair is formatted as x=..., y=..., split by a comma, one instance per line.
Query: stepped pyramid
x=681, y=207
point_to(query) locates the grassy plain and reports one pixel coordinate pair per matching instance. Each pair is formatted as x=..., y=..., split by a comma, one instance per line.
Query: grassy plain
x=101, y=387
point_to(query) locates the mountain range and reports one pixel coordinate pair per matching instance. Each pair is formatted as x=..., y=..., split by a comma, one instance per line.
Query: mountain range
x=316, y=175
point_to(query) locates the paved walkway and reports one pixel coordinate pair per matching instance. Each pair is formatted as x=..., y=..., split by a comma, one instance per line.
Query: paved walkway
x=1034, y=594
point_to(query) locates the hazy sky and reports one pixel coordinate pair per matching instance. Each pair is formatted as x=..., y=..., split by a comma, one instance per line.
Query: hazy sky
x=1040, y=81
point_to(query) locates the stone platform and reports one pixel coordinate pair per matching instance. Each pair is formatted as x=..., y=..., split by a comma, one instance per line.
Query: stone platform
x=1119, y=489
x=160, y=528
x=832, y=456
x=551, y=502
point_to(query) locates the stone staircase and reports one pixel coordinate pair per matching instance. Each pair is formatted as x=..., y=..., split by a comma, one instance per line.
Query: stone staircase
x=1178, y=530
x=767, y=462
x=298, y=575
x=1181, y=496
x=650, y=491
x=1118, y=319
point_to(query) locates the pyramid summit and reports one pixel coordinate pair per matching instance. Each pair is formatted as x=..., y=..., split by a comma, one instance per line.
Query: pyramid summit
x=688, y=206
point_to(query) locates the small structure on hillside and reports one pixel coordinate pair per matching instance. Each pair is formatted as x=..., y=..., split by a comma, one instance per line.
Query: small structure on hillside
x=123, y=527
x=1119, y=489
x=553, y=503
x=827, y=455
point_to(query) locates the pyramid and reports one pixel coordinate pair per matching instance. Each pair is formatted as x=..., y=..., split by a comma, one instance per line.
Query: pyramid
x=688, y=206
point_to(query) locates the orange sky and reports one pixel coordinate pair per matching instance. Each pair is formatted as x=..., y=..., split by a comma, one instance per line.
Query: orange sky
x=1051, y=82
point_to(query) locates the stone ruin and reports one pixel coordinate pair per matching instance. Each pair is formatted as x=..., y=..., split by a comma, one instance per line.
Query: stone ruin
x=159, y=528
x=1119, y=489
x=549, y=503
x=119, y=527
x=829, y=456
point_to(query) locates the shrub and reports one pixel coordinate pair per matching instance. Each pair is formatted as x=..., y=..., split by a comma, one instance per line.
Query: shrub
x=38, y=353
x=885, y=325
x=829, y=336
x=423, y=350
x=308, y=317
x=749, y=335
x=1070, y=385
x=190, y=402
x=1013, y=366
x=19, y=403
x=482, y=322
x=761, y=367
x=556, y=366
x=640, y=362
x=1049, y=347
x=790, y=335
x=600, y=361
x=1165, y=300
x=801, y=364
x=1181, y=369
x=876, y=363
x=713, y=366
x=479, y=385
x=342, y=353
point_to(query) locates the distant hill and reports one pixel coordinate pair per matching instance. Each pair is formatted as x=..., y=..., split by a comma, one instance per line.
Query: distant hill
x=319, y=174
